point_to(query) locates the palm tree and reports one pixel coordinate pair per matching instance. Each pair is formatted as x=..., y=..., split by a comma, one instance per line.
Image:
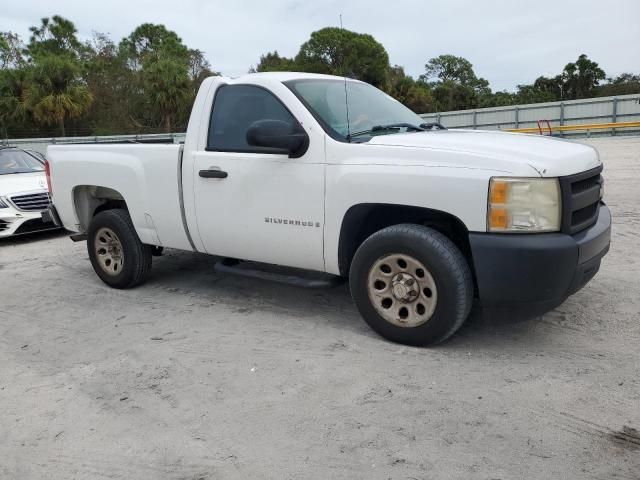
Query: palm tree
x=56, y=91
x=13, y=87
x=167, y=84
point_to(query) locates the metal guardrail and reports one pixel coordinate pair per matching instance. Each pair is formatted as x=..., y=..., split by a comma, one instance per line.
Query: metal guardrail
x=582, y=127
x=617, y=109
x=40, y=144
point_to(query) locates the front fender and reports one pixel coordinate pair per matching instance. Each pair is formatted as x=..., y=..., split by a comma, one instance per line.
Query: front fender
x=459, y=192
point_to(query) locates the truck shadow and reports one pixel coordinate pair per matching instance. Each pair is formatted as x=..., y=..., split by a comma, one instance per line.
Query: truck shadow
x=31, y=237
x=485, y=326
x=194, y=275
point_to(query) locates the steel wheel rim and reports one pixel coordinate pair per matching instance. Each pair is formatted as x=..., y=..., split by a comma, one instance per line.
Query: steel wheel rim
x=108, y=249
x=402, y=290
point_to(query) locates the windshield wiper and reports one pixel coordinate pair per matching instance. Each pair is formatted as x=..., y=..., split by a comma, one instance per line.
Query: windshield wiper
x=432, y=125
x=390, y=126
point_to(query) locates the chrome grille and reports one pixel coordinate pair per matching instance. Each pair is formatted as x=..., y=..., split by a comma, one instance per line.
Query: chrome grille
x=31, y=201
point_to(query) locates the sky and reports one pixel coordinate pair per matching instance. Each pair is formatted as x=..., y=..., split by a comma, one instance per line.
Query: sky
x=508, y=42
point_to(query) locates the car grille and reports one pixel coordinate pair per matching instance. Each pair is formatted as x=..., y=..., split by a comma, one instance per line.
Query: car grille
x=32, y=201
x=580, y=200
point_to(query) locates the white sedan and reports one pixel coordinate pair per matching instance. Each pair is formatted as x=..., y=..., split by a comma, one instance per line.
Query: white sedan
x=23, y=192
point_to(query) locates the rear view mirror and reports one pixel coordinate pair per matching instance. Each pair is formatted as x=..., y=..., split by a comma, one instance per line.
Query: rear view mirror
x=279, y=135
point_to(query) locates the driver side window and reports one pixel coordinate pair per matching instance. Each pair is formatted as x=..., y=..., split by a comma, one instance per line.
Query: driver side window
x=235, y=108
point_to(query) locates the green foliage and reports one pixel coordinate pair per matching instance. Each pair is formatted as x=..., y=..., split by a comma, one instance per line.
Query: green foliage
x=11, y=51
x=449, y=68
x=54, y=36
x=50, y=88
x=147, y=81
x=150, y=42
x=336, y=51
x=577, y=80
x=166, y=84
x=450, y=95
x=416, y=95
x=56, y=91
x=454, y=84
x=580, y=79
x=166, y=73
x=273, y=62
x=624, y=84
x=13, y=88
x=498, y=99
x=109, y=78
x=199, y=68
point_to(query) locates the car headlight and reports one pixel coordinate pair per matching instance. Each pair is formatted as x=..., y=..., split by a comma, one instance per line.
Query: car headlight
x=2, y=204
x=524, y=205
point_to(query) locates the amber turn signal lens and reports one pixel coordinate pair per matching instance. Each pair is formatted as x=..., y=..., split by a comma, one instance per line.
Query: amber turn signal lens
x=498, y=194
x=497, y=218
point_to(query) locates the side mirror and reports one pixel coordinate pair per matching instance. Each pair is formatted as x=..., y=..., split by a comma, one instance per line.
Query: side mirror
x=279, y=135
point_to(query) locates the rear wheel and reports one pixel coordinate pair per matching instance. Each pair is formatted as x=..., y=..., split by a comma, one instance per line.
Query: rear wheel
x=117, y=255
x=411, y=284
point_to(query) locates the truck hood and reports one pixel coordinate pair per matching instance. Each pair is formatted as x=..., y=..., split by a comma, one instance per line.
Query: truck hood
x=22, y=182
x=550, y=157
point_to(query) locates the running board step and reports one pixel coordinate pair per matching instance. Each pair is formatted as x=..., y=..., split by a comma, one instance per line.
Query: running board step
x=319, y=280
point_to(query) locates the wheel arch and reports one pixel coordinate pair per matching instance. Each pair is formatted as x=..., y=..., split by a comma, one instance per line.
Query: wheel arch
x=364, y=219
x=89, y=200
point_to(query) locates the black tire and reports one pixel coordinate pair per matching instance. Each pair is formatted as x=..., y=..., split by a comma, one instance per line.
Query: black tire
x=136, y=255
x=447, y=267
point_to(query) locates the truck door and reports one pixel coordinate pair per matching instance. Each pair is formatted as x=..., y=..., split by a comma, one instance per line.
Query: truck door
x=262, y=206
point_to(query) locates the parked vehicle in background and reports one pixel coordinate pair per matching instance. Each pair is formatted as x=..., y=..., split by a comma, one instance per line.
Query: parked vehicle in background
x=23, y=192
x=328, y=174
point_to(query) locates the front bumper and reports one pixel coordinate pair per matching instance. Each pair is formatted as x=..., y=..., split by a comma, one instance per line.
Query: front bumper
x=17, y=222
x=543, y=269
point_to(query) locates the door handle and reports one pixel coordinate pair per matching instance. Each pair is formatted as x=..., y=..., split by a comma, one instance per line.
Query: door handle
x=213, y=173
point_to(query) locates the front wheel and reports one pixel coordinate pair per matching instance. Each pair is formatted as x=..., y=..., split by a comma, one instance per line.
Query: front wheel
x=117, y=255
x=411, y=284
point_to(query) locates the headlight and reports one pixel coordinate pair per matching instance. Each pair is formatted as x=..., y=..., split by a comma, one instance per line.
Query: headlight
x=523, y=205
x=2, y=204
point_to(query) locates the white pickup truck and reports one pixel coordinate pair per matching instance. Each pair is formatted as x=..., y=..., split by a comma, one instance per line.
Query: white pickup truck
x=332, y=175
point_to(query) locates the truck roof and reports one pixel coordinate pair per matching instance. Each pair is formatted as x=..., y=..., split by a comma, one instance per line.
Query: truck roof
x=285, y=76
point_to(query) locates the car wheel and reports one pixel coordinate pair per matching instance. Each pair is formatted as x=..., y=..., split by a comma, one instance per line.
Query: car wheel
x=117, y=255
x=411, y=284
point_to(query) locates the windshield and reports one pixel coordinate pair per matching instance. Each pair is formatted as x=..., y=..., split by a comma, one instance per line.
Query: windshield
x=368, y=108
x=16, y=161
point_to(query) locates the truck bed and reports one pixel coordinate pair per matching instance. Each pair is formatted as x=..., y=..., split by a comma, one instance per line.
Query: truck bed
x=147, y=175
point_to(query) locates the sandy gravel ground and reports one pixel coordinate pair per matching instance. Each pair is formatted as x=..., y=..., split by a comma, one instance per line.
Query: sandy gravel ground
x=200, y=376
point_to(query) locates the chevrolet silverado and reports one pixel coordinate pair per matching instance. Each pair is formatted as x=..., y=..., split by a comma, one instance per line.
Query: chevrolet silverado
x=332, y=175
